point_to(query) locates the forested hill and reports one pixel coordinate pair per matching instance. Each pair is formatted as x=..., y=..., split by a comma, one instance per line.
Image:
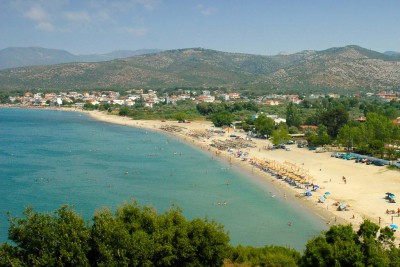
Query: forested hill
x=348, y=68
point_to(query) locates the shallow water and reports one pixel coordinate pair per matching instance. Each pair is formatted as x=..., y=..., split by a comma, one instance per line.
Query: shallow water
x=50, y=158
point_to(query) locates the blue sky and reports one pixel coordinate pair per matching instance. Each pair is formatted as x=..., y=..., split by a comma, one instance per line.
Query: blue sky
x=262, y=27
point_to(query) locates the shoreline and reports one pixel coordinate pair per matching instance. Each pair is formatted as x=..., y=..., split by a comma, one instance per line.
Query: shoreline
x=364, y=191
x=258, y=176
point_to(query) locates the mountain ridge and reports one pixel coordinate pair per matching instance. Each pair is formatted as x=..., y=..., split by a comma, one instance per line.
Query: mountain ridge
x=14, y=57
x=351, y=68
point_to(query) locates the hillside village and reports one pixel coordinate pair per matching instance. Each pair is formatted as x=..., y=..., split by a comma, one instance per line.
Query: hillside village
x=149, y=98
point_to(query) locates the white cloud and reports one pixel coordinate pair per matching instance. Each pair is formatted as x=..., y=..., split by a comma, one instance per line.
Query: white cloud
x=148, y=4
x=45, y=26
x=206, y=11
x=36, y=13
x=137, y=32
x=77, y=16
x=125, y=5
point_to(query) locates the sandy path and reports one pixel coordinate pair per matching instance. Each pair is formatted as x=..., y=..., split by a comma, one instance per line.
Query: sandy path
x=364, y=191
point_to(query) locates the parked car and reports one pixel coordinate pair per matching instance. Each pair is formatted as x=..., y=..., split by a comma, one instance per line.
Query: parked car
x=379, y=163
x=349, y=157
x=336, y=154
x=358, y=160
x=339, y=155
x=365, y=160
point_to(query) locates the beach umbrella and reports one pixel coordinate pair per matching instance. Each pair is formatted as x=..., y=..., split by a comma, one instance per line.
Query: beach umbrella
x=327, y=193
x=390, y=194
x=393, y=226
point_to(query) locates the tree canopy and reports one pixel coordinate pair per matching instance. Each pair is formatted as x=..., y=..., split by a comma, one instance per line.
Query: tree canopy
x=139, y=236
x=133, y=236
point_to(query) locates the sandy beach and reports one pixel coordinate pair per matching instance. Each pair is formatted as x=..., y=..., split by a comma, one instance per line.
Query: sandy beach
x=365, y=188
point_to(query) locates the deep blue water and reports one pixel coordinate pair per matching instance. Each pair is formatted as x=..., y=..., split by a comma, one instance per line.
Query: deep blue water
x=49, y=158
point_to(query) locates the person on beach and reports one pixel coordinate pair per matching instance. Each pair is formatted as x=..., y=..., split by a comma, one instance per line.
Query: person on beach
x=379, y=220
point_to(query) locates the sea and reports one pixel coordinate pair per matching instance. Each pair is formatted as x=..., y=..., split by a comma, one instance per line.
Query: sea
x=49, y=158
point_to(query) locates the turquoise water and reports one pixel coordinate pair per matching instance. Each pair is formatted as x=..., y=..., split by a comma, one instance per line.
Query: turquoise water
x=50, y=158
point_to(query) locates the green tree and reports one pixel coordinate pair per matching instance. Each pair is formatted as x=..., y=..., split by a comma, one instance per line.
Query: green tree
x=336, y=247
x=133, y=236
x=380, y=126
x=334, y=119
x=265, y=256
x=50, y=240
x=203, y=108
x=350, y=136
x=264, y=125
x=224, y=118
x=280, y=135
x=181, y=116
x=123, y=111
x=293, y=117
x=341, y=246
x=320, y=138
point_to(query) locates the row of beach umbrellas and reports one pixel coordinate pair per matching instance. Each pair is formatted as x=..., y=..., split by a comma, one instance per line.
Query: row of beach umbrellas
x=287, y=169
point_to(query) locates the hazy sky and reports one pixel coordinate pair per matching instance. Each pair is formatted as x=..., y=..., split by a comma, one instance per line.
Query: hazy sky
x=263, y=27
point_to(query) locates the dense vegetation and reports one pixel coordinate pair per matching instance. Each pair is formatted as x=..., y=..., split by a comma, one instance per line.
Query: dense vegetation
x=377, y=136
x=139, y=236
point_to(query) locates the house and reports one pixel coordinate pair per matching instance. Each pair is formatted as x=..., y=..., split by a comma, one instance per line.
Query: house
x=129, y=102
x=172, y=99
x=361, y=119
x=397, y=121
x=271, y=103
x=234, y=95
x=205, y=98
x=293, y=99
x=118, y=101
x=333, y=95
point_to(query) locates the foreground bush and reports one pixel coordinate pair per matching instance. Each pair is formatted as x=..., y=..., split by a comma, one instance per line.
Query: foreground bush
x=133, y=236
x=139, y=236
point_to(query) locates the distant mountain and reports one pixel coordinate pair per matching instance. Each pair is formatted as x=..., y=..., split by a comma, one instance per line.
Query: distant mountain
x=339, y=68
x=391, y=53
x=14, y=57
